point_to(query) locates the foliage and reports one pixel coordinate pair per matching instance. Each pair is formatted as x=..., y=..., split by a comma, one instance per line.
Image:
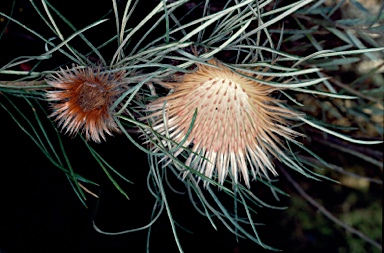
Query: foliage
x=310, y=49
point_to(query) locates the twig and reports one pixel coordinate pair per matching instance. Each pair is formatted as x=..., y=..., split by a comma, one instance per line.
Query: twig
x=350, y=90
x=349, y=150
x=23, y=84
x=341, y=170
x=326, y=213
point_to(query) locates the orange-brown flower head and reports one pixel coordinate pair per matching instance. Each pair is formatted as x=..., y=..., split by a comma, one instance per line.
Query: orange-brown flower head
x=238, y=124
x=81, y=100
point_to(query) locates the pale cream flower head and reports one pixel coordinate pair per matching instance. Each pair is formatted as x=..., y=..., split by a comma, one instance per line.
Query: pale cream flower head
x=238, y=129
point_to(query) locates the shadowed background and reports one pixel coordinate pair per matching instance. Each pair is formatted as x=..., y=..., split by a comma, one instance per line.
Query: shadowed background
x=39, y=211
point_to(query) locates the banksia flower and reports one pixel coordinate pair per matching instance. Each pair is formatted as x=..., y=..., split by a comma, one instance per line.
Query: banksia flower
x=81, y=100
x=238, y=128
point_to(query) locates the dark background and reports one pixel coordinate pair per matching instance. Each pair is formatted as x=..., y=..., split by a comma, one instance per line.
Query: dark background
x=39, y=211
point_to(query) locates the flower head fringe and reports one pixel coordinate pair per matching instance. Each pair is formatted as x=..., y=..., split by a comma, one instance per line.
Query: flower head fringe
x=239, y=127
x=81, y=100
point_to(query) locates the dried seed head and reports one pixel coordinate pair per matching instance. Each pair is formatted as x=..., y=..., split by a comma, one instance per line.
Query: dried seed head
x=238, y=127
x=81, y=100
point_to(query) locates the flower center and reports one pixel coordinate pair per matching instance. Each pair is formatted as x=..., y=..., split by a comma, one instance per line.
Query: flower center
x=91, y=96
x=225, y=117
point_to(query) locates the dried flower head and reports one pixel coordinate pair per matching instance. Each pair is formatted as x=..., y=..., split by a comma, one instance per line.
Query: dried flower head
x=81, y=100
x=238, y=124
